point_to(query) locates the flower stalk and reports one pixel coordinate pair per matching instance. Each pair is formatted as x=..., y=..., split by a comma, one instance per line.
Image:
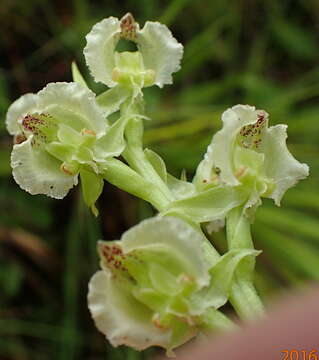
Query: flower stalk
x=244, y=296
x=122, y=176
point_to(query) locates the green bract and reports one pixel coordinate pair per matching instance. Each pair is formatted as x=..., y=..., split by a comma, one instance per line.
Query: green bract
x=159, y=284
x=158, y=56
x=61, y=132
x=251, y=156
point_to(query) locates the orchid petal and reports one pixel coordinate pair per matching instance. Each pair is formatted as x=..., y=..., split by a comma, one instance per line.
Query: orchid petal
x=220, y=152
x=176, y=236
x=20, y=108
x=161, y=52
x=37, y=172
x=100, y=48
x=280, y=165
x=117, y=314
x=72, y=104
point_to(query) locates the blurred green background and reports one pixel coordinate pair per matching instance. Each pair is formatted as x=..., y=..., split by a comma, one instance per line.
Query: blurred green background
x=263, y=53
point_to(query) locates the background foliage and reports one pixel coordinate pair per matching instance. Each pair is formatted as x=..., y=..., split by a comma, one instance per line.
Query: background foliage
x=263, y=53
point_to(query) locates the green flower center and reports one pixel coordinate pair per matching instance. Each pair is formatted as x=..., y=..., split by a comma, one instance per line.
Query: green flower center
x=130, y=70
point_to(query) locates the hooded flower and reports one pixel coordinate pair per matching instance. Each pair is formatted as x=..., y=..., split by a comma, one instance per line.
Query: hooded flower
x=248, y=154
x=159, y=285
x=60, y=132
x=158, y=56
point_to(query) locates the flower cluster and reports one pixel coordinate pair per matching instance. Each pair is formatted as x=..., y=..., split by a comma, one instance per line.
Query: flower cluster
x=163, y=282
x=63, y=131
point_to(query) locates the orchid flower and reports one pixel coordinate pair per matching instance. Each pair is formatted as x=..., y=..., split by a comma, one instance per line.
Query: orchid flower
x=251, y=156
x=61, y=132
x=158, y=56
x=159, y=286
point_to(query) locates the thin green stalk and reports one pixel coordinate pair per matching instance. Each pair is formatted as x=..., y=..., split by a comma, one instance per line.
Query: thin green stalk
x=139, y=162
x=122, y=176
x=217, y=321
x=244, y=297
x=137, y=159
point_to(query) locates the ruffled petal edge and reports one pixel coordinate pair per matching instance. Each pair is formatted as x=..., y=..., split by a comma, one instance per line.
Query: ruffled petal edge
x=37, y=172
x=119, y=318
x=18, y=110
x=160, y=50
x=99, y=49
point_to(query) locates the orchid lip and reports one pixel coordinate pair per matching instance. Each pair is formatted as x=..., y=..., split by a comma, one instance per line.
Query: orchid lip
x=42, y=126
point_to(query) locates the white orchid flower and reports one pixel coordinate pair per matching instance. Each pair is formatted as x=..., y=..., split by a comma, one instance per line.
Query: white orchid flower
x=248, y=154
x=57, y=131
x=159, y=286
x=158, y=56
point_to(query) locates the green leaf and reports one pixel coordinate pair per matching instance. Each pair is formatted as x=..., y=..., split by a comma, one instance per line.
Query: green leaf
x=92, y=186
x=295, y=40
x=289, y=252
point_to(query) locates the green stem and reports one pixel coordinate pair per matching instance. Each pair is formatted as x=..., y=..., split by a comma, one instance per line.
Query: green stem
x=244, y=297
x=139, y=162
x=123, y=177
x=215, y=320
x=136, y=158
